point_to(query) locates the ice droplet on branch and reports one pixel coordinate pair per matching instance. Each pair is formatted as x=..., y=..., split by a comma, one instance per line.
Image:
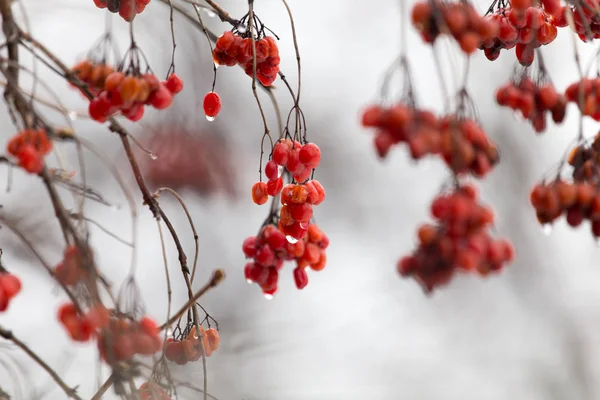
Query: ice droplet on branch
x=72, y=115
x=210, y=13
x=210, y=119
x=268, y=296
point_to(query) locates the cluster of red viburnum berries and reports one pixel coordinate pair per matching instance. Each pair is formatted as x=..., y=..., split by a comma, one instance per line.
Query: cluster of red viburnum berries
x=188, y=347
x=29, y=147
x=534, y=101
x=93, y=74
x=461, y=20
x=270, y=249
x=232, y=49
x=152, y=391
x=579, y=199
x=458, y=241
x=588, y=90
x=127, y=9
x=526, y=28
x=128, y=94
x=119, y=338
x=10, y=286
x=585, y=16
x=461, y=142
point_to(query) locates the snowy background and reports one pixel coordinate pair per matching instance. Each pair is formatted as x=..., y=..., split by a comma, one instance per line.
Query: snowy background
x=357, y=331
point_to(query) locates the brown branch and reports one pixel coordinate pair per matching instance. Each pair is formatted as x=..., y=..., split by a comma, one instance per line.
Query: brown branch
x=215, y=280
x=105, y=386
x=8, y=335
x=223, y=15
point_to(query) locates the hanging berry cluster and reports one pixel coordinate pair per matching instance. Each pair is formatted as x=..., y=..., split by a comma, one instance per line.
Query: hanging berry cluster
x=29, y=147
x=129, y=93
x=460, y=20
x=585, y=16
x=459, y=241
x=525, y=27
x=93, y=74
x=579, y=199
x=533, y=100
x=270, y=249
x=187, y=347
x=82, y=327
x=127, y=9
x=236, y=49
x=588, y=90
x=461, y=142
x=10, y=286
x=152, y=391
x=121, y=338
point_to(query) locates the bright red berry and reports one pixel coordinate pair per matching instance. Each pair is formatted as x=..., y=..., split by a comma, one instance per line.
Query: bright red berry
x=212, y=104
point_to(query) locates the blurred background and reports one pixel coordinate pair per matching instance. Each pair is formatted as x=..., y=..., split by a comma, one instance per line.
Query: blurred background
x=358, y=331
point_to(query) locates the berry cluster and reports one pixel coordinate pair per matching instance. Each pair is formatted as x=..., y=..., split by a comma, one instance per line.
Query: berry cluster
x=585, y=16
x=93, y=74
x=459, y=241
x=297, y=209
x=232, y=49
x=188, y=348
x=10, y=286
x=270, y=249
x=127, y=9
x=128, y=93
x=461, y=20
x=121, y=338
x=152, y=391
x=590, y=89
x=526, y=29
x=578, y=201
x=69, y=271
x=461, y=142
x=585, y=160
x=80, y=327
x=29, y=147
x=299, y=160
x=533, y=101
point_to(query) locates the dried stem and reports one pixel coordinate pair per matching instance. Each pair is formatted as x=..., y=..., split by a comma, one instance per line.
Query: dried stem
x=8, y=335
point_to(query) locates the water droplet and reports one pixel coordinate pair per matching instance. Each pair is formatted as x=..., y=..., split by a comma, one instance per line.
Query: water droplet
x=210, y=119
x=153, y=156
x=250, y=281
x=210, y=13
x=169, y=332
x=547, y=229
x=268, y=296
x=241, y=29
x=292, y=240
x=216, y=65
x=72, y=115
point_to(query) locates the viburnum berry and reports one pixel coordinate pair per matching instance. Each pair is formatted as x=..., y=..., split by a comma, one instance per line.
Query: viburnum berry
x=270, y=249
x=10, y=286
x=526, y=29
x=458, y=242
x=259, y=193
x=212, y=105
x=461, y=20
x=188, y=347
x=128, y=94
x=589, y=90
x=127, y=9
x=121, y=338
x=461, y=142
x=174, y=83
x=232, y=49
x=298, y=159
x=29, y=147
x=533, y=101
x=93, y=74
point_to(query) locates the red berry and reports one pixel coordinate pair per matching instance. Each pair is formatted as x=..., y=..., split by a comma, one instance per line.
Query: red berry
x=249, y=246
x=300, y=278
x=272, y=170
x=174, y=83
x=310, y=155
x=259, y=193
x=161, y=98
x=212, y=104
x=281, y=153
